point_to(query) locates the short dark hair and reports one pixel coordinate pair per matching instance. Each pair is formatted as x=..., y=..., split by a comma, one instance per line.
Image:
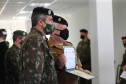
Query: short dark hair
x=124, y=37
x=84, y=31
x=35, y=18
x=17, y=36
x=1, y=34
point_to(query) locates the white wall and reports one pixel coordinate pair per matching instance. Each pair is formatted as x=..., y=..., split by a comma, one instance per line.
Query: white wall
x=119, y=14
x=77, y=20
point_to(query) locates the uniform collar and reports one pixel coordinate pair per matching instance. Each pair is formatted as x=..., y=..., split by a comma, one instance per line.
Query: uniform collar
x=53, y=44
x=36, y=30
x=15, y=46
x=85, y=41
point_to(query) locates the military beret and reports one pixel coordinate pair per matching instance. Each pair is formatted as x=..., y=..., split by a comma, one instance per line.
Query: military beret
x=19, y=32
x=60, y=20
x=4, y=32
x=43, y=10
x=124, y=37
x=84, y=30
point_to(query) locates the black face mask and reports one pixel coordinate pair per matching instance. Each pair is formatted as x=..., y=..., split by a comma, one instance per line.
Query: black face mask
x=124, y=45
x=63, y=34
x=21, y=42
x=82, y=37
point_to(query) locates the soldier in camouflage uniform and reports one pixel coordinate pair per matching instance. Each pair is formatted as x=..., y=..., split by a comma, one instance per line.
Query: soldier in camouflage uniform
x=12, y=58
x=83, y=50
x=123, y=65
x=37, y=62
x=56, y=43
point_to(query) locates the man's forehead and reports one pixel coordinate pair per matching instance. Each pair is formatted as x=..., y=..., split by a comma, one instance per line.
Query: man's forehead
x=82, y=33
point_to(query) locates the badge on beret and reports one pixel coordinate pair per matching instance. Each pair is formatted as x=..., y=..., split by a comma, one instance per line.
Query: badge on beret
x=59, y=19
x=49, y=12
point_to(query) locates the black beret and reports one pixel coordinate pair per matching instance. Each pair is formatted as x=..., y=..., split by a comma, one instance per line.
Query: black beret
x=4, y=32
x=43, y=10
x=60, y=20
x=19, y=32
x=84, y=30
x=124, y=37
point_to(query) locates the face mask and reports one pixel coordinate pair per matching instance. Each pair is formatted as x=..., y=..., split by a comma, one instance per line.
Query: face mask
x=63, y=34
x=49, y=28
x=124, y=45
x=82, y=37
x=21, y=42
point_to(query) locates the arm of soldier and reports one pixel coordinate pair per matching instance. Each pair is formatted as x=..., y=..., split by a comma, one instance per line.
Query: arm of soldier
x=79, y=65
x=14, y=62
x=34, y=62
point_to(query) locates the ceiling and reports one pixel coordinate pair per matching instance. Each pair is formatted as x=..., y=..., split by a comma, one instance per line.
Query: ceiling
x=14, y=9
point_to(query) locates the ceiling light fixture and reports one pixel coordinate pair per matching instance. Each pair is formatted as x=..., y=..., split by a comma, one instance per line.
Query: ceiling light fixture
x=25, y=12
x=40, y=4
x=21, y=18
x=4, y=7
x=20, y=2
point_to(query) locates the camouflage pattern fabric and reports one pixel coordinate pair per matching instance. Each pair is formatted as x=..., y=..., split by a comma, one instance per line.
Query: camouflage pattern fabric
x=37, y=62
x=12, y=65
x=83, y=50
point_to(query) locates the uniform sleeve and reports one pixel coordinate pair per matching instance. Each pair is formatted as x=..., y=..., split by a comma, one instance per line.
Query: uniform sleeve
x=12, y=61
x=33, y=62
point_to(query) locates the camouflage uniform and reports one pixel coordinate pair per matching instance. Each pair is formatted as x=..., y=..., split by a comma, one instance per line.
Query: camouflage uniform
x=37, y=62
x=83, y=50
x=123, y=81
x=63, y=77
x=12, y=65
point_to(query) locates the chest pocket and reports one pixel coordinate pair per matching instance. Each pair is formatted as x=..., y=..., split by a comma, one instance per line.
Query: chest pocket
x=56, y=53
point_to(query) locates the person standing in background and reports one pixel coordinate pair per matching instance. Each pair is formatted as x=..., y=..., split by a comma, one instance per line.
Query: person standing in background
x=123, y=65
x=3, y=50
x=84, y=53
x=12, y=58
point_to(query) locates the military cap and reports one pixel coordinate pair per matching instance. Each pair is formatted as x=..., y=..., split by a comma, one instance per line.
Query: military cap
x=43, y=10
x=60, y=20
x=123, y=37
x=4, y=32
x=84, y=30
x=19, y=32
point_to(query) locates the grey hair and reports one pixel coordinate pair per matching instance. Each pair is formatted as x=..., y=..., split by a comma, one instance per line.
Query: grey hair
x=36, y=17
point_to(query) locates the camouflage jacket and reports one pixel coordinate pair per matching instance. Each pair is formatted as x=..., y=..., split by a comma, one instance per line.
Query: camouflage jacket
x=83, y=50
x=63, y=76
x=37, y=62
x=12, y=65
